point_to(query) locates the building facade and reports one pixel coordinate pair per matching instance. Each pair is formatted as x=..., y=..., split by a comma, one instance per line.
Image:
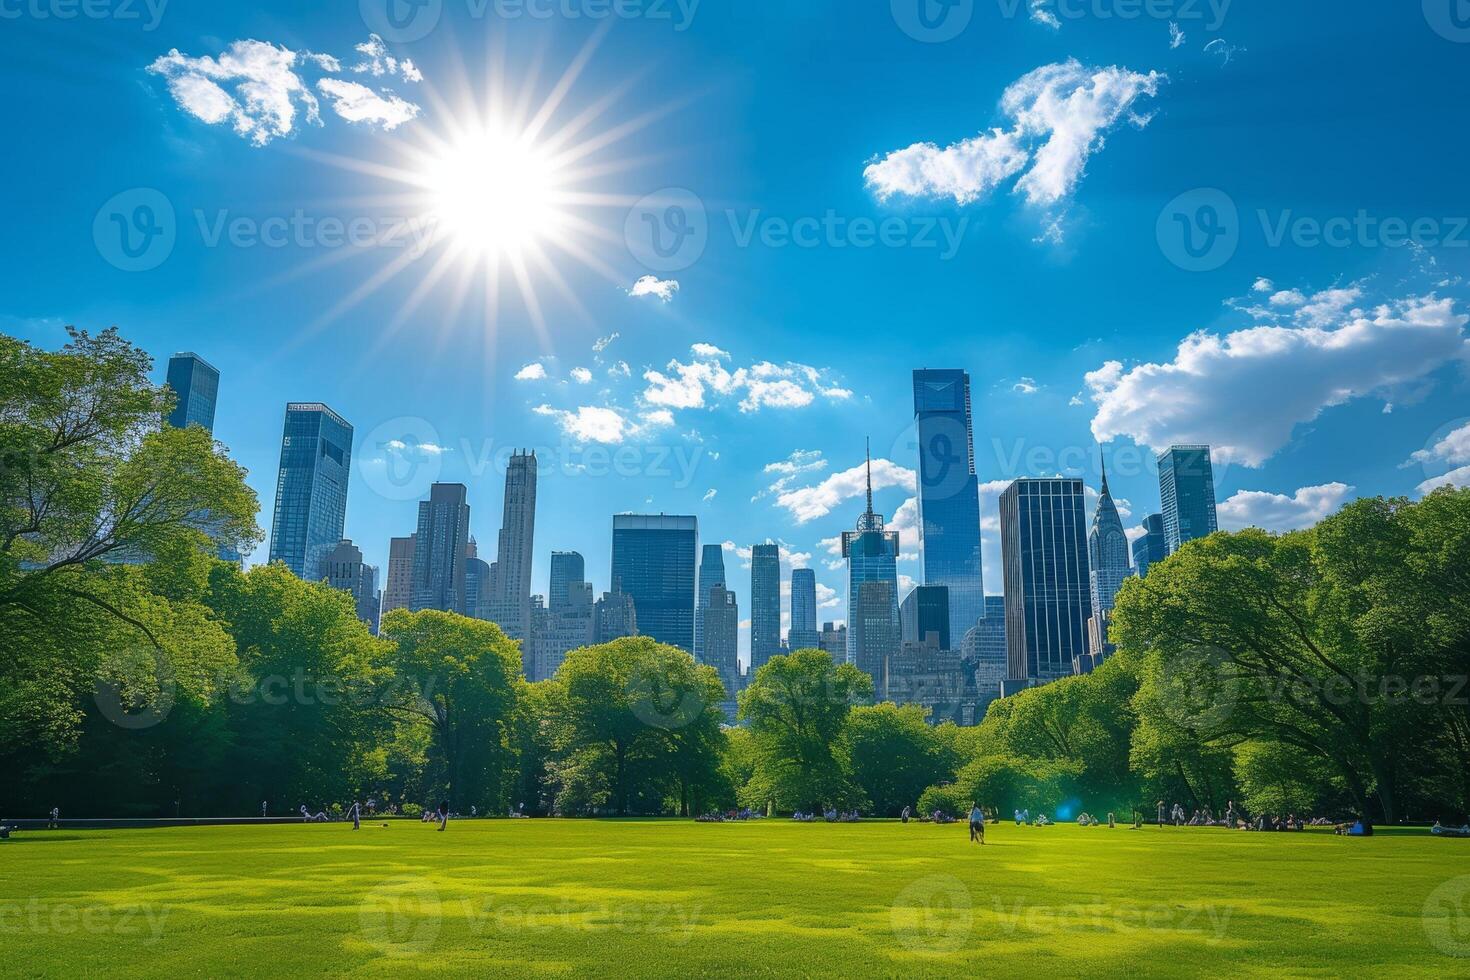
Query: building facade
x=568, y=569
x=985, y=647
x=722, y=643
x=1187, y=495
x=195, y=384
x=398, y=588
x=614, y=616
x=476, y=582
x=765, y=604
x=925, y=611
x=1048, y=593
x=1107, y=552
x=711, y=574
x=510, y=575
x=342, y=568
x=1152, y=547
x=311, y=487
x=949, y=493
x=653, y=560
x=832, y=640
x=872, y=591
x=803, y=633
x=441, y=545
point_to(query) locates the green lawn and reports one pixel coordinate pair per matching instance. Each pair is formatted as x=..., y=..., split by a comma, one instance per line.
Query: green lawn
x=663, y=898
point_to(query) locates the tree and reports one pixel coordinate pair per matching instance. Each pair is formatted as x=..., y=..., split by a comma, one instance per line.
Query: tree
x=894, y=755
x=797, y=706
x=461, y=676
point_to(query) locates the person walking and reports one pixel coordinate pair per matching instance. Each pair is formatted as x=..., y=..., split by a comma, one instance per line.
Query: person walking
x=443, y=814
x=1161, y=814
x=262, y=809
x=977, y=823
x=356, y=815
x=55, y=822
x=905, y=815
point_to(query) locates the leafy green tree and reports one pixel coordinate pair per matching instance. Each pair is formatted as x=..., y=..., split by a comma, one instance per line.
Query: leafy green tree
x=797, y=706
x=894, y=755
x=461, y=676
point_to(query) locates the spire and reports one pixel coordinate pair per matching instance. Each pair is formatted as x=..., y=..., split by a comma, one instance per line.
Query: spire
x=868, y=452
x=1103, y=460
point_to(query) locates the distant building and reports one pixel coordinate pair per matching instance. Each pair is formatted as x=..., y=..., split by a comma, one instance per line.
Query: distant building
x=803, y=633
x=342, y=568
x=557, y=632
x=722, y=643
x=925, y=611
x=476, y=582
x=510, y=575
x=833, y=641
x=1107, y=552
x=872, y=591
x=765, y=604
x=1187, y=493
x=653, y=557
x=711, y=574
x=398, y=590
x=195, y=384
x=985, y=646
x=1152, y=547
x=311, y=487
x=936, y=679
x=949, y=493
x=441, y=544
x=614, y=617
x=568, y=569
x=1048, y=595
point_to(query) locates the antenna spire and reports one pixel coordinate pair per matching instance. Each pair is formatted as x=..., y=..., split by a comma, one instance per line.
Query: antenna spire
x=1103, y=460
x=868, y=451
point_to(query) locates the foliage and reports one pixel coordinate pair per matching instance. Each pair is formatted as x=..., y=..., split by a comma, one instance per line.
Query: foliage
x=893, y=754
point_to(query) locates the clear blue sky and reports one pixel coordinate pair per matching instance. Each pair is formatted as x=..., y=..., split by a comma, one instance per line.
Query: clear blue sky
x=765, y=115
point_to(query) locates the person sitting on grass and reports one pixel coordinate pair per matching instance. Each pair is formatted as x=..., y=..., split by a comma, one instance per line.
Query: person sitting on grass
x=1042, y=821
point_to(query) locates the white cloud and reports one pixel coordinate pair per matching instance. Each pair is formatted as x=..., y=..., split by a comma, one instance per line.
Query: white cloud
x=827, y=597
x=663, y=289
x=603, y=343
x=259, y=89
x=581, y=375
x=1452, y=450
x=789, y=558
x=1459, y=477
x=1223, y=48
x=800, y=461
x=1211, y=392
x=590, y=423
x=906, y=523
x=1176, y=36
x=710, y=350
x=535, y=371
x=359, y=104
x=1066, y=108
x=1289, y=297
x=762, y=385
x=1026, y=386
x=378, y=62
x=809, y=503
x=710, y=494
x=1263, y=285
x=1278, y=512
x=1041, y=14
x=620, y=370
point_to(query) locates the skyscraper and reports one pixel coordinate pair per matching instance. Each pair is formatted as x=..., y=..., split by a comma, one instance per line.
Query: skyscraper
x=711, y=574
x=765, y=604
x=398, y=590
x=311, y=487
x=924, y=616
x=568, y=568
x=567, y=625
x=653, y=560
x=985, y=647
x=1187, y=493
x=614, y=616
x=1043, y=537
x=342, y=568
x=510, y=588
x=833, y=641
x=476, y=582
x=722, y=642
x=1107, y=552
x=1152, y=547
x=872, y=590
x=803, y=635
x=195, y=384
x=949, y=493
x=440, y=547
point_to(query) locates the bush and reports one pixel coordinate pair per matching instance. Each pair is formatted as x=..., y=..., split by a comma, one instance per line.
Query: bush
x=413, y=810
x=950, y=799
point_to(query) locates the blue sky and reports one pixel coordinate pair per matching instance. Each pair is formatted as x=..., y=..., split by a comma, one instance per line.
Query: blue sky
x=861, y=200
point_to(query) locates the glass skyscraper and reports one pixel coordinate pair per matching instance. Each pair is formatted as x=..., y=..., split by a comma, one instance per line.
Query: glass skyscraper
x=1107, y=552
x=653, y=561
x=567, y=567
x=1048, y=594
x=195, y=384
x=711, y=574
x=765, y=604
x=872, y=591
x=311, y=487
x=803, y=634
x=949, y=493
x=1187, y=494
x=440, y=548
x=1152, y=547
x=925, y=611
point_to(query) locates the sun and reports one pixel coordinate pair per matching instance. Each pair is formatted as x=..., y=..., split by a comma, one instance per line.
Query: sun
x=494, y=194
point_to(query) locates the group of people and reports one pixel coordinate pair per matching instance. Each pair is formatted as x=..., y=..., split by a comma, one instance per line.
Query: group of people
x=1441, y=831
x=715, y=816
x=1023, y=817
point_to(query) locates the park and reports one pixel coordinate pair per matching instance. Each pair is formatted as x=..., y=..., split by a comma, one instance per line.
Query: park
x=761, y=897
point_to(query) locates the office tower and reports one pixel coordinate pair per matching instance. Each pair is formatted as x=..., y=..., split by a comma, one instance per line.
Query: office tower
x=722, y=642
x=949, y=493
x=925, y=611
x=1153, y=547
x=984, y=648
x=872, y=590
x=476, y=582
x=195, y=384
x=803, y=634
x=653, y=560
x=1107, y=552
x=439, y=549
x=614, y=616
x=311, y=487
x=765, y=604
x=567, y=569
x=711, y=574
x=1043, y=539
x=555, y=632
x=1187, y=493
x=342, y=568
x=833, y=641
x=510, y=576
x=398, y=590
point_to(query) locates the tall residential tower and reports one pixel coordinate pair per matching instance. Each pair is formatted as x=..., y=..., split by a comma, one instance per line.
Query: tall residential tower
x=311, y=487
x=949, y=493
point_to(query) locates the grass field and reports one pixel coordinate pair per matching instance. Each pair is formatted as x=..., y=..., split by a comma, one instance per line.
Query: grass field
x=662, y=898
